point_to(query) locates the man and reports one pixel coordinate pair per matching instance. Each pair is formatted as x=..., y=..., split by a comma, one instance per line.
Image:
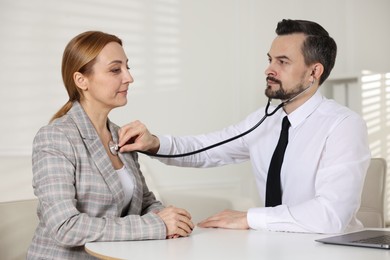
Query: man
x=320, y=181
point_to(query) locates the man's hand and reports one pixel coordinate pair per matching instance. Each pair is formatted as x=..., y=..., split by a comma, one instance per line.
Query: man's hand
x=136, y=137
x=230, y=219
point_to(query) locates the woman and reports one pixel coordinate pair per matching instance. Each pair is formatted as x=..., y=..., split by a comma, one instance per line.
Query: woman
x=85, y=192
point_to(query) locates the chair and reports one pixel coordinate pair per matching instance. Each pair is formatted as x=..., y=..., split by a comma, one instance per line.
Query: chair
x=371, y=212
x=18, y=220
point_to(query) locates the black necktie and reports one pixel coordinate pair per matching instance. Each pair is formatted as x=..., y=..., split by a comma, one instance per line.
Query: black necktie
x=273, y=196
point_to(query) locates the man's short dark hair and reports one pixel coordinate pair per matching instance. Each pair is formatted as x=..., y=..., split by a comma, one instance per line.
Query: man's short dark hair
x=318, y=45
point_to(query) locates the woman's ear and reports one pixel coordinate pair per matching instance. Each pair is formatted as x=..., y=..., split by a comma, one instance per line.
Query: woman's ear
x=80, y=80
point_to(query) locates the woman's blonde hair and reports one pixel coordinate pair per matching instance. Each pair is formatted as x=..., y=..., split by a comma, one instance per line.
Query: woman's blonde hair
x=80, y=56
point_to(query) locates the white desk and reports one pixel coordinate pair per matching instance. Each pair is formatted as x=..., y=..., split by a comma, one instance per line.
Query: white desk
x=225, y=244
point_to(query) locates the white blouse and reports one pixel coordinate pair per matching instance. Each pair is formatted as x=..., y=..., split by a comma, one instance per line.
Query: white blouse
x=127, y=180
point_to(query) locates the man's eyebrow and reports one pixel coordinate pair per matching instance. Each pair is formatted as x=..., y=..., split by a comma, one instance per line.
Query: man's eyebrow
x=279, y=57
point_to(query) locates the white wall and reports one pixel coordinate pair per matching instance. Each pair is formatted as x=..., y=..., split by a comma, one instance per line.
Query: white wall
x=198, y=66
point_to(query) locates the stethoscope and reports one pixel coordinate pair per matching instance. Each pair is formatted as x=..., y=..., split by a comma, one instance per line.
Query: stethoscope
x=114, y=147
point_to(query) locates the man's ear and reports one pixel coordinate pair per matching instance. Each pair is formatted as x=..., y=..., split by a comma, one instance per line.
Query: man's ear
x=80, y=80
x=316, y=72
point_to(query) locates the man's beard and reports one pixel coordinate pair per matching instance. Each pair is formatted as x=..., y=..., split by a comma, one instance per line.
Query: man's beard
x=281, y=93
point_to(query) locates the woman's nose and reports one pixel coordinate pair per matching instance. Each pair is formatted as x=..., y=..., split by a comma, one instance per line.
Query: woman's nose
x=129, y=78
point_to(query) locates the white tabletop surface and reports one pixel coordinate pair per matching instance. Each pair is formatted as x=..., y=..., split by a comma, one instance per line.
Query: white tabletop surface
x=225, y=244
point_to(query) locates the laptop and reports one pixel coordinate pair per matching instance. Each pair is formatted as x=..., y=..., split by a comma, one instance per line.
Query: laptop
x=364, y=238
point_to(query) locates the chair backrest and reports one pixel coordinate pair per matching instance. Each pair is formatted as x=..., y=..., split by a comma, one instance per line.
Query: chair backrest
x=18, y=220
x=371, y=212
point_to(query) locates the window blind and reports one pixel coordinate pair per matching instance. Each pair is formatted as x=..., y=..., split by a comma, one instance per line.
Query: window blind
x=34, y=35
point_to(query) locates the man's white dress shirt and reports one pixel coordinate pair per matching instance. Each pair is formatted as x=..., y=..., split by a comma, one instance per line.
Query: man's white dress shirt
x=323, y=171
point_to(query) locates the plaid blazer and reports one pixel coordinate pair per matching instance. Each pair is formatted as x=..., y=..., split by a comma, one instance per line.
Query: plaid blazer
x=80, y=194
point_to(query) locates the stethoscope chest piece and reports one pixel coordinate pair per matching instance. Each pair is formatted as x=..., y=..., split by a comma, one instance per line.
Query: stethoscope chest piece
x=114, y=147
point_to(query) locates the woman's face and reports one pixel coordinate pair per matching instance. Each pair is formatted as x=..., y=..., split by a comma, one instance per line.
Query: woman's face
x=109, y=81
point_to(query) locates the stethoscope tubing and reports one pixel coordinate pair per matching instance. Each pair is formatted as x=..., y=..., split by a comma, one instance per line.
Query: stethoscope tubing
x=266, y=114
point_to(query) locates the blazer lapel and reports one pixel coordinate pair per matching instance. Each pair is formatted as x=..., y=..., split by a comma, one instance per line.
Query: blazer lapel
x=98, y=152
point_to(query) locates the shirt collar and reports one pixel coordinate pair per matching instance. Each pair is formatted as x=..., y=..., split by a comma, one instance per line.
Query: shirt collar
x=305, y=110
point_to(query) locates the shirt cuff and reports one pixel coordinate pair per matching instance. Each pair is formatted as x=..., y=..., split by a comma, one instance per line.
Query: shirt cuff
x=165, y=144
x=256, y=218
